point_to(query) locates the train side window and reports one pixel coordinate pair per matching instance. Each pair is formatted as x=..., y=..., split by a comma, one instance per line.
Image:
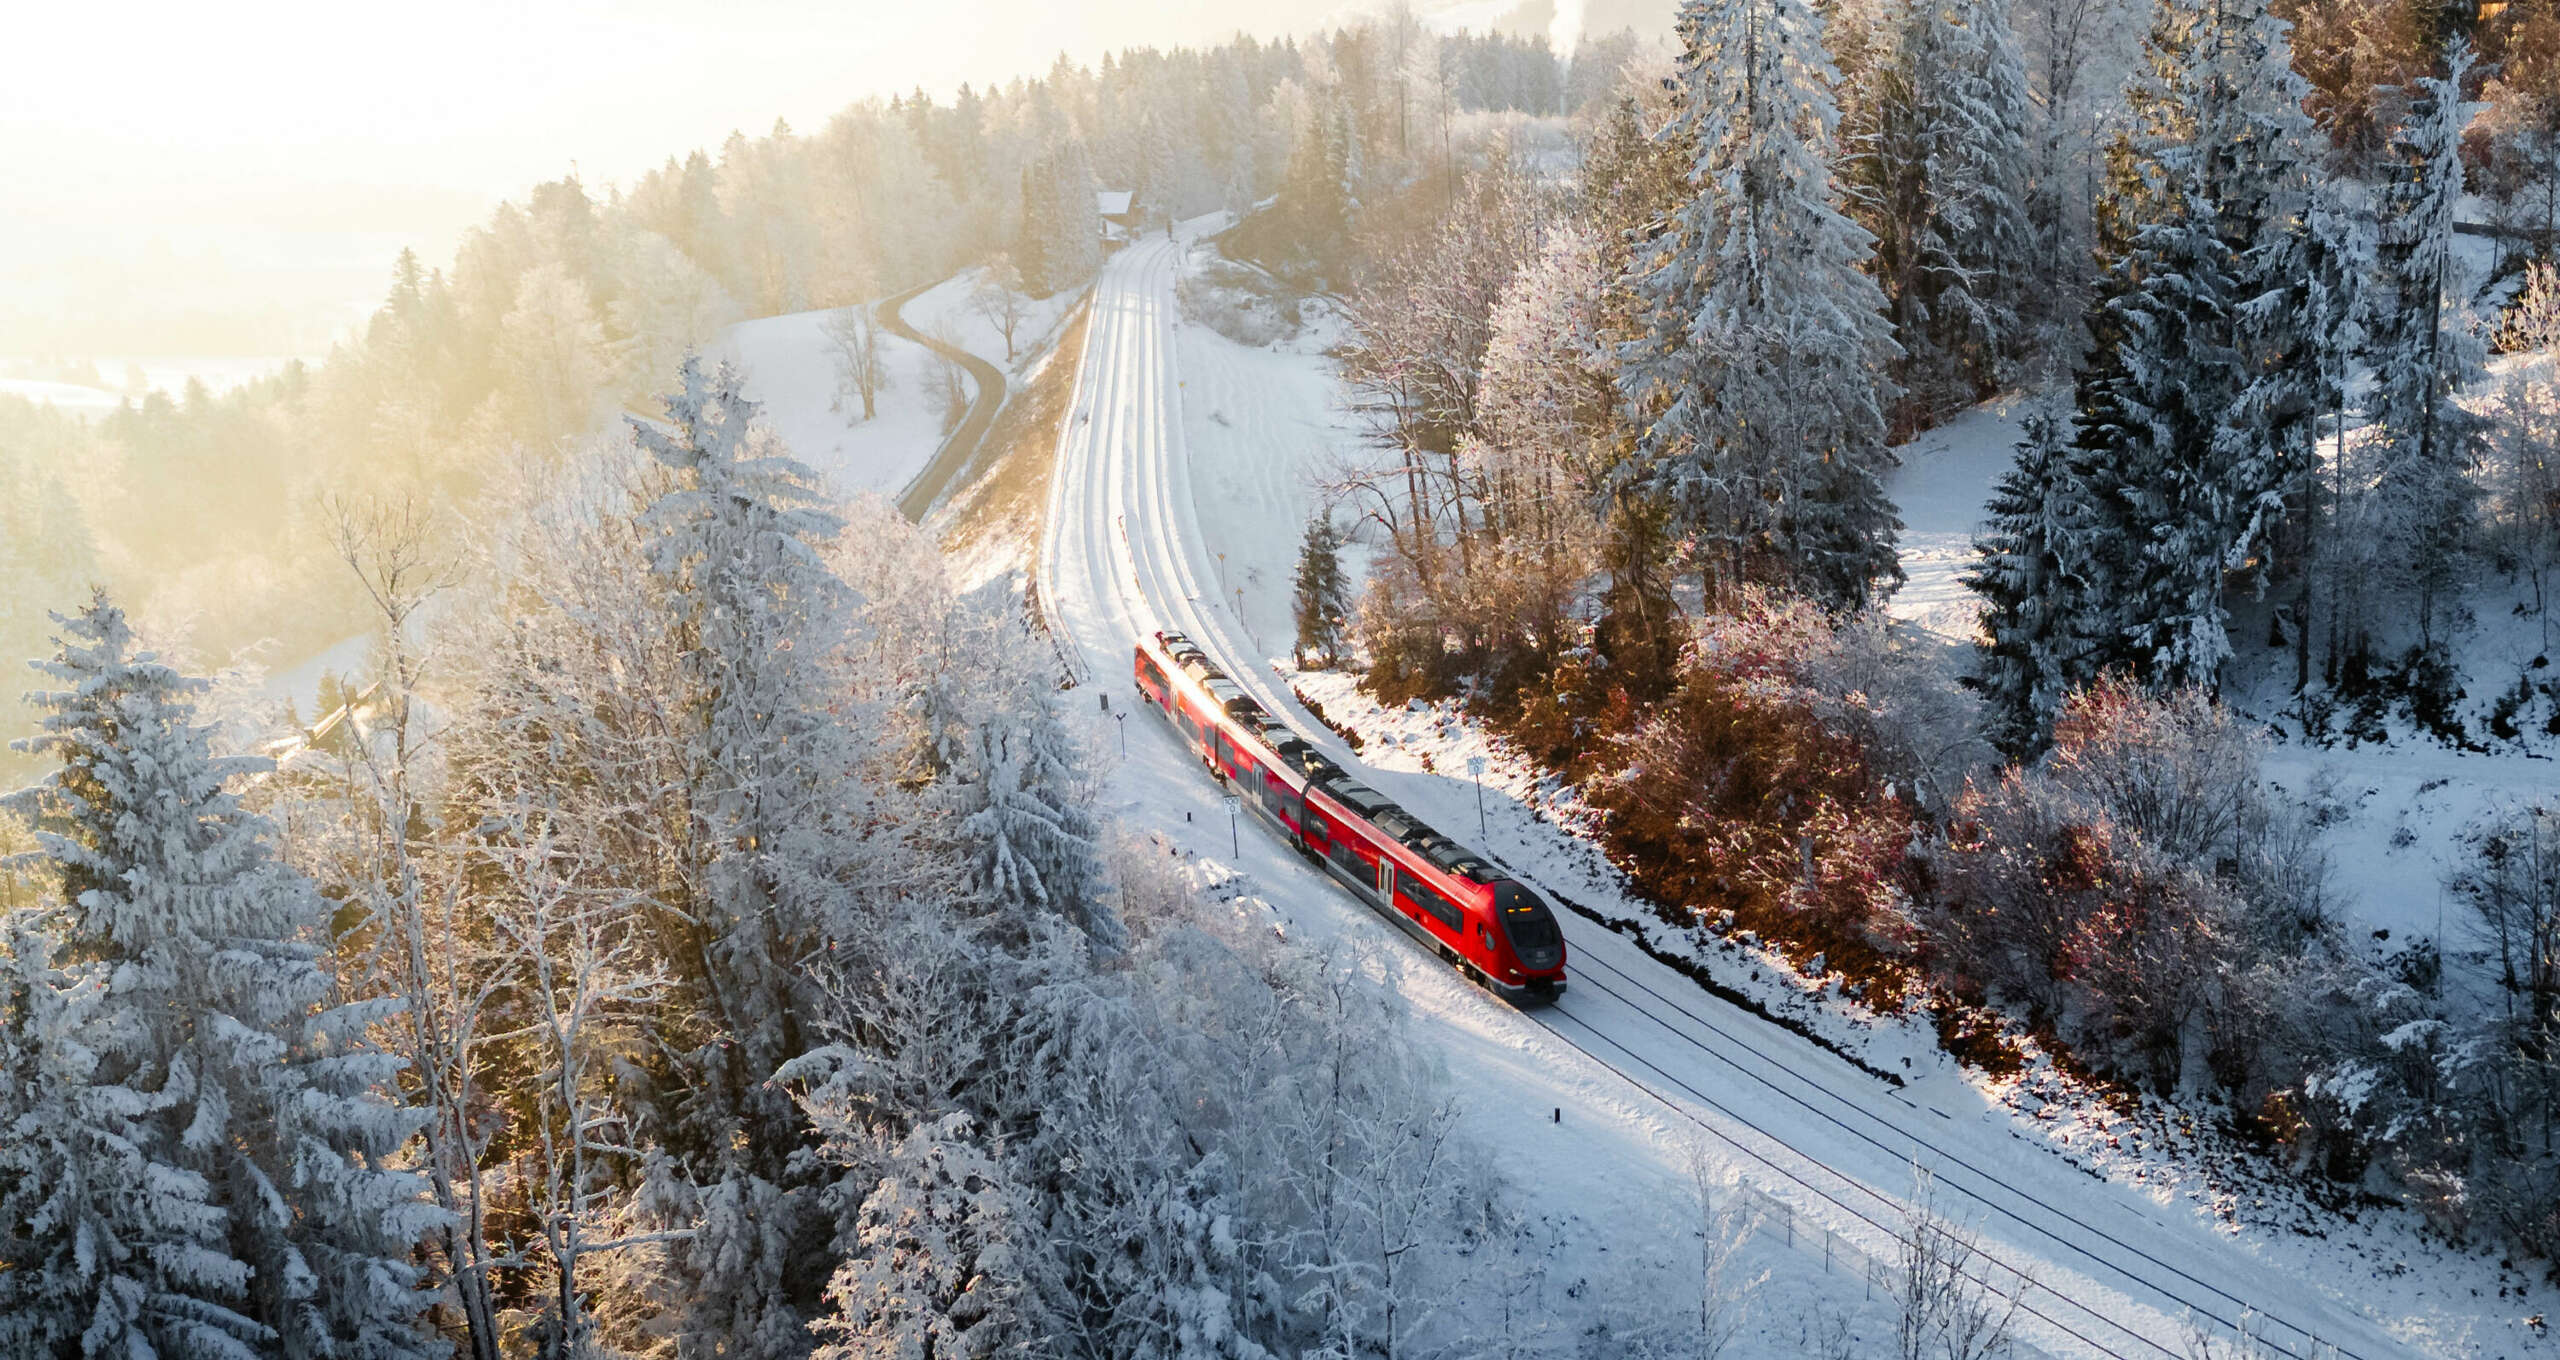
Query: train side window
x=1429, y=897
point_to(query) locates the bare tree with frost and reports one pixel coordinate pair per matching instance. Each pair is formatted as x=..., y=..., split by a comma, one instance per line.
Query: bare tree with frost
x=1951, y=1299
x=862, y=363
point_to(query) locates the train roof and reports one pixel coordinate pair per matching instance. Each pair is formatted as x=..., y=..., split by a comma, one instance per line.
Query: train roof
x=1403, y=827
x=1310, y=761
x=1293, y=750
x=1458, y=859
x=1358, y=797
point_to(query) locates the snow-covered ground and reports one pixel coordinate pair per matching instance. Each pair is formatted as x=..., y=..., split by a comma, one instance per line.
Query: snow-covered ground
x=947, y=311
x=219, y=373
x=1945, y=476
x=168, y=374
x=2392, y=813
x=71, y=398
x=791, y=367
x=1182, y=446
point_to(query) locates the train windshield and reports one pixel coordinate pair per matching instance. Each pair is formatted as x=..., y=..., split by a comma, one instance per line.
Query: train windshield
x=1530, y=925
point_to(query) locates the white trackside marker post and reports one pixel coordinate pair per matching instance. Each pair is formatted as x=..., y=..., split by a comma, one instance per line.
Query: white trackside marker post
x=1235, y=845
x=1475, y=771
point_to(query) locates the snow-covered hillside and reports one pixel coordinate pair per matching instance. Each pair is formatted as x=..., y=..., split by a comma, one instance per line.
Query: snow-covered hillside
x=2392, y=813
x=791, y=367
x=70, y=398
x=1183, y=446
x=950, y=310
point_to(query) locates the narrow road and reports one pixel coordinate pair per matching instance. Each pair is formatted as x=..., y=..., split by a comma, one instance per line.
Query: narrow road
x=928, y=486
x=2114, y=1271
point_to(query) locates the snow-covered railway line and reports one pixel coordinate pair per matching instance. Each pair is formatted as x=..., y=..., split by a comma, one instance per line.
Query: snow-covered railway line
x=1990, y=1283
x=1117, y=566
x=2302, y=1345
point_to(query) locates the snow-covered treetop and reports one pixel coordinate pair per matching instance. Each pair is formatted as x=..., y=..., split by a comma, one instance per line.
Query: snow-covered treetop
x=123, y=727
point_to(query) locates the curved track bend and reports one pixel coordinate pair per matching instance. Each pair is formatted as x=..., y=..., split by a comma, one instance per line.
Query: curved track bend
x=2112, y=1272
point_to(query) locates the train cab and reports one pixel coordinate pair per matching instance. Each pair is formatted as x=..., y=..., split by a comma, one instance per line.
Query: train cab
x=1531, y=945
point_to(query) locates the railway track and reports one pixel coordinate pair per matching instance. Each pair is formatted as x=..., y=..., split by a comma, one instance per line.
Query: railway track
x=2102, y=1278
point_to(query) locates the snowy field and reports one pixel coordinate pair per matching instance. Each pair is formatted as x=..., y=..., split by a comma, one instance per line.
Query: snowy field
x=945, y=310
x=1185, y=446
x=167, y=374
x=70, y=398
x=791, y=367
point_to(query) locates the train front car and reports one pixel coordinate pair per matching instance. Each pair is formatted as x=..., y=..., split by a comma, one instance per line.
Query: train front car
x=1533, y=944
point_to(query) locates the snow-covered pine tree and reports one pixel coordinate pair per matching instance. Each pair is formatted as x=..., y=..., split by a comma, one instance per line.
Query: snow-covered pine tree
x=1032, y=247
x=1079, y=252
x=2024, y=572
x=1759, y=372
x=937, y=1258
x=1060, y=243
x=1158, y=189
x=228, y=1189
x=2326, y=301
x=1946, y=171
x=2422, y=347
x=1323, y=601
x=100, y=1260
x=1033, y=842
x=769, y=832
x=1318, y=194
x=2199, y=407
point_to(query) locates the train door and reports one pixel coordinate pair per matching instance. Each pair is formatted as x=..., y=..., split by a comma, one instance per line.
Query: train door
x=1293, y=811
x=1284, y=805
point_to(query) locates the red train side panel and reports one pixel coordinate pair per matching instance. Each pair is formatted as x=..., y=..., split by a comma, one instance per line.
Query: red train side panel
x=1435, y=888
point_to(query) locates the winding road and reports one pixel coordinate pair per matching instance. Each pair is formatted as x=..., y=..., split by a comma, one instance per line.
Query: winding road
x=920, y=495
x=1639, y=1063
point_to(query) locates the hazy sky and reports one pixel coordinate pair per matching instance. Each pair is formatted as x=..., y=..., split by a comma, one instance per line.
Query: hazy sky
x=176, y=156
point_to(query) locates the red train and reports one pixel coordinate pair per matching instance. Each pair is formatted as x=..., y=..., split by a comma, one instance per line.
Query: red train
x=1432, y=886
